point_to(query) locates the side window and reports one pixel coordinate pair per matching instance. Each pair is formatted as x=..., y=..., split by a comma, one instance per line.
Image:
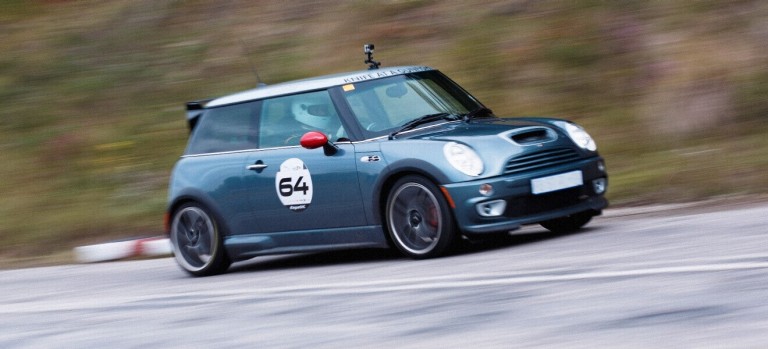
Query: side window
x=285, y=119
x=227, y=128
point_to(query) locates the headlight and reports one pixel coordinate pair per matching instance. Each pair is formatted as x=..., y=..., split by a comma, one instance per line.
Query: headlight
x=463, y=158
x=578, y=135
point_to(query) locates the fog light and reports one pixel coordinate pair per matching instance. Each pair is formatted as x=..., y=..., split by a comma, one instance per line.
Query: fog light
x=599, y=185
x=491, y=208
x=486, y=189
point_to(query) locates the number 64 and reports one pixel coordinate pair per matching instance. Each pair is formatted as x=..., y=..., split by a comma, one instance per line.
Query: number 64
x=287, y=188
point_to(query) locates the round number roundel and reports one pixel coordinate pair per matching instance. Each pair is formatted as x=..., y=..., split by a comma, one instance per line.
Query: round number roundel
x=293, y=184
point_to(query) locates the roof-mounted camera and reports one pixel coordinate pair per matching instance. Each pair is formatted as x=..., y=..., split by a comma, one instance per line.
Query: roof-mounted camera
x=368, y=50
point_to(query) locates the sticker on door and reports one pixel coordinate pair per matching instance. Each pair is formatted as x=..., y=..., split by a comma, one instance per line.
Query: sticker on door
x=293, y=184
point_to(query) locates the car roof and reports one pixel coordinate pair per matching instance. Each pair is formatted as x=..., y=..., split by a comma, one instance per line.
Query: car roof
x=316, y=83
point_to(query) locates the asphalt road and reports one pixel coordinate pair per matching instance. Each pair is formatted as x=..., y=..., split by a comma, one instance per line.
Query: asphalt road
x=667, y=279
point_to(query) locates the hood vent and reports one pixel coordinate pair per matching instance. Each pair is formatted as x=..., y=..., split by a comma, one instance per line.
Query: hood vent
x=540, y=159
x=530, y=135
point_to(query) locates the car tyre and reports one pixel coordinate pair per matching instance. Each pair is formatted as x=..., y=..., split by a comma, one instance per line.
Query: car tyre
x=419, y=221
x=197, y=241
x=567, y=224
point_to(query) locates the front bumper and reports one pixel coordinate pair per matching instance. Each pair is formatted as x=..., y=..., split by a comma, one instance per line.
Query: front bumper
x=522, y=206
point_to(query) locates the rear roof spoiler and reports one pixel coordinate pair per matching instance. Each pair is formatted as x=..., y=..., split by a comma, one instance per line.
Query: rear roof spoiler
x=194, y=110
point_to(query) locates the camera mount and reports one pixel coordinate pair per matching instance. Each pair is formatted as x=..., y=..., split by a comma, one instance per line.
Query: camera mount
x=368, y=50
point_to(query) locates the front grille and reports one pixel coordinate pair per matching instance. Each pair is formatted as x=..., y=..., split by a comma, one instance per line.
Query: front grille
x=535, y=204
x=541, y=159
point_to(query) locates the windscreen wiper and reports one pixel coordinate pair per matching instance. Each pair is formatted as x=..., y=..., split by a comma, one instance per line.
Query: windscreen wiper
x=423, y=120
x=481, y=110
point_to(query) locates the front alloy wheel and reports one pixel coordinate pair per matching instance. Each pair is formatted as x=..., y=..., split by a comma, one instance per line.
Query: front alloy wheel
x=196, y=241
x=418, y=218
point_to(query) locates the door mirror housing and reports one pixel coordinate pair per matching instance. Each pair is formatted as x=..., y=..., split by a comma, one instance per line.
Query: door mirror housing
x=315, y=139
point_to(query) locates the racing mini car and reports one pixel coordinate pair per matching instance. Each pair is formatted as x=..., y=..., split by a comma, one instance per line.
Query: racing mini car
x=395, y=156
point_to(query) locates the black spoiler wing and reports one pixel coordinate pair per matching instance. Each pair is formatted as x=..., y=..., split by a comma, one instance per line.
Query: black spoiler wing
x=194, y=110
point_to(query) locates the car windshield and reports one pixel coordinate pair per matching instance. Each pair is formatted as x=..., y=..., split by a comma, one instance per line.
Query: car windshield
x=394, y=104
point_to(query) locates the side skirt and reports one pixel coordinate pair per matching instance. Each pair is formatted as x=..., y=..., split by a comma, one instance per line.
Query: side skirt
x=242, y=247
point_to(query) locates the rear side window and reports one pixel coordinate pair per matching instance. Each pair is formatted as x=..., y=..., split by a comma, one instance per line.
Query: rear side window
x=228, y=128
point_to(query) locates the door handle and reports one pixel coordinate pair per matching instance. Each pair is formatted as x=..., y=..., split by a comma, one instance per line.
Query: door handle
x=256, y=167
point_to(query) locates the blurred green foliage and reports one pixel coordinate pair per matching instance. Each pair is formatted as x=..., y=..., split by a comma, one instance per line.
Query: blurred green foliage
x=93, y=92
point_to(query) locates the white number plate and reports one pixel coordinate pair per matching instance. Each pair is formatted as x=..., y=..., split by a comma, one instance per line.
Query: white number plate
x=556, y=182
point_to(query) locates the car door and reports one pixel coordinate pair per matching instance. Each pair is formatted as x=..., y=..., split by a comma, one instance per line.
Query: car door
x=302, y=190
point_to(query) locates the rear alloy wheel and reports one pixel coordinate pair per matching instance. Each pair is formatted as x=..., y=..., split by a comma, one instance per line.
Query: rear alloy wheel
x=418, y=218
x=196, y=241
x=567, y=224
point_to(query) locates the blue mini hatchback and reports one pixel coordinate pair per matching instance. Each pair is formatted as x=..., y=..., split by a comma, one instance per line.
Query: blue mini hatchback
x=399, y=156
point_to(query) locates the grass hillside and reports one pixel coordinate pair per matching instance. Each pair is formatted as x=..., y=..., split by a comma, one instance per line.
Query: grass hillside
x=93, y=91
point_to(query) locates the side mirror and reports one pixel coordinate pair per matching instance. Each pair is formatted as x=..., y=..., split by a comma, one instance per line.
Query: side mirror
x=315, y=139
